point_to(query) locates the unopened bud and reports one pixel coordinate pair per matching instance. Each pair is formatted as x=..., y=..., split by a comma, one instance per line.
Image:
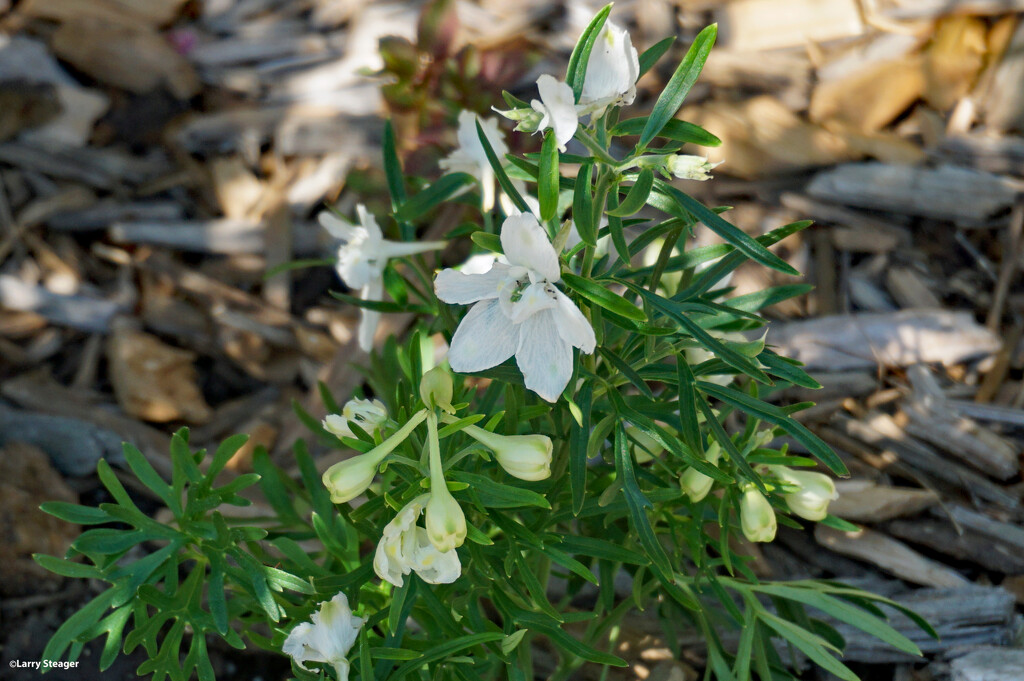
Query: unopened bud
x=757, y=517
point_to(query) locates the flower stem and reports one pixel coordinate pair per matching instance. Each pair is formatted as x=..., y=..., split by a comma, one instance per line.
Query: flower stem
x=437, y=480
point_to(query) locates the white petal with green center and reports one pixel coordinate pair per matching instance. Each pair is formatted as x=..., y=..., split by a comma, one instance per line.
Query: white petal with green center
x=526, y=244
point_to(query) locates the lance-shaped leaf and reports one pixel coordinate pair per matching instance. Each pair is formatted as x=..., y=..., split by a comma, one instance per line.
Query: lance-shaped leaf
x=576, y=73
x=637, y=196
x=679, y=85
x=499, y=172
x=599, y=295
x=547, y=177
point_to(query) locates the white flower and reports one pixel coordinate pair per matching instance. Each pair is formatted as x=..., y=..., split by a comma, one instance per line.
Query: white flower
x=527, y=457
x=471, y=158
x=688, y=167
x=816, y=491
x=328, y=638
x=612, y=71
x=369, y=415
x=757, y=517
x=405, y=547
x=519, y=311
x=557, y=105
x=362, y=258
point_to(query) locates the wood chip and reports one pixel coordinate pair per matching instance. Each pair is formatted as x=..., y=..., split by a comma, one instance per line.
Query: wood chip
x=867, y=340
x=968, y=197
x=890, y=555
x=867, y=502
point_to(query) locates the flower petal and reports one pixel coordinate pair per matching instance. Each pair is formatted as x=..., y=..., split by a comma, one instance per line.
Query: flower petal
x=369, y=223
x=369, y=319
x=458, y=288
x=536, y=297
x=485, y=338
x=573, y=327
x=335, y=226
x=433, y=566
x=543, y=356
x=526, y=244
x=559, y=108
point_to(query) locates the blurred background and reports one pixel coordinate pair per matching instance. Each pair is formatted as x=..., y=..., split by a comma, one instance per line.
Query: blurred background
x=157, y=157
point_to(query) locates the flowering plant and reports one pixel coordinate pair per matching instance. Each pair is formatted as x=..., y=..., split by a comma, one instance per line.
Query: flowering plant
x=573, y=439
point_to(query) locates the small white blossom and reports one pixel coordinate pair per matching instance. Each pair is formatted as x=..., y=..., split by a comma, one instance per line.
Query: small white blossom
x=557, y=106
x=405, y=547
x=362, y=259
x=332, y=633
x=689, y=167
x=612, y=71
x=369, y=415
x=470, y=156
x=518, y=311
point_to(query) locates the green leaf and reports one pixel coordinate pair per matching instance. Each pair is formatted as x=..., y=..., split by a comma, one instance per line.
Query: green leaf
x=576, y=73
x=76, y=624
x=499, y=171
x=844, y=612
x=674, y=129
x=777, y=417
x=547, y=179
x=500, y=495
x=512, y=641
x=380, y=305
x=810, y=645
x=583, y=205
x=564, y=641
x=637, y=196
x=434, y=195
x=298, y=265
x=690, y=432
x=638, y=504
x=653, y=53
x=599, y=295
x=682, y=205
x=444, y=650
x=66, y=568
x=679, y=85
x=599, y=548
x=488, y=241
x=392, y=167
x=578, y=448
x=73, y=513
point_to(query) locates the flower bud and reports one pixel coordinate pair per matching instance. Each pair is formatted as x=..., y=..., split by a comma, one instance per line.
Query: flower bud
x=347, y=479
x=369, y=415
x=436, y=388
x=688, y=167
x=527, y=457
x=445, y=521
x=816, y=491
x=695, y=484
x=528, y=118
x=757, y=517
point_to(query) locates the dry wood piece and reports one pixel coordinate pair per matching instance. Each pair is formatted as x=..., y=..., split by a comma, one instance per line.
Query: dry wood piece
x=969, y=197
x=73, y=445
x=868, y=502
x=771, y=24
x=1004, y=107
x=104, y=213
x=890, y=555
x=879, y=430
x=942, y=536
x=855, y=231
x=867, y=340
x=932, y=420
x=988, y=153
x=76, y=311
x=970, y=615
x=909, y=289
x=152, y=380
x=222, y=236
x=871, y=97
x=989, y=664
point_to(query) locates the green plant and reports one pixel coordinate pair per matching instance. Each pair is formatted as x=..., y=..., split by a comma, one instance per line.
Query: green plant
x=575, y=434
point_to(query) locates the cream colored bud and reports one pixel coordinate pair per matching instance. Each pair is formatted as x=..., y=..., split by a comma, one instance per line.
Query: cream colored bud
x=695, y=484
x=817, y=490
x=347, y=479
x=445, y=521
x=436, y=387
x=757, y=517
x=527, y=457
x=688, y=167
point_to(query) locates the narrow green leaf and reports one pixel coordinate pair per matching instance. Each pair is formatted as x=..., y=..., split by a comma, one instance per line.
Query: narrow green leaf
x=499, y=171
x=638, y=504
x=691, y=432
x=486, y=240
x=810, y=645
x=74, y=513
x=583, y=205
x=601, y=549
x=577, y=70
x=392, y=167
x=578, y=448
x=679, y=85
x=674, y=129
x=443, y=650
x=653, y=53
x=599, y=295
x=500, y=495
x=637, y=196
x=547, y=179
x=434, y=195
